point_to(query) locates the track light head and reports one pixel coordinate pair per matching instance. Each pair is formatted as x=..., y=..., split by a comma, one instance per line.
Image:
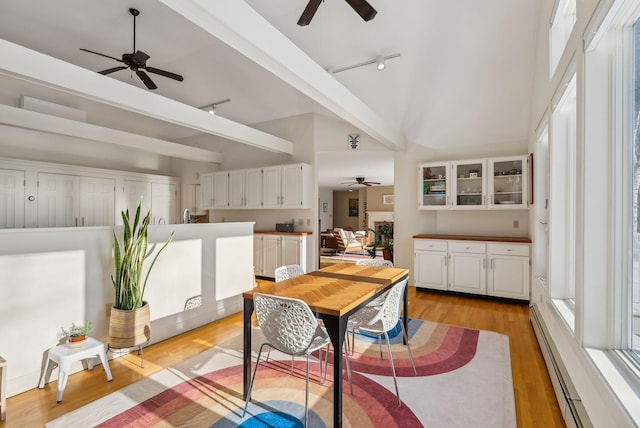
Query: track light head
x=380, y=64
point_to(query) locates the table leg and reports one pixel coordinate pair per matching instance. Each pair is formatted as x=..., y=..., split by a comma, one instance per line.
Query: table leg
x=246, y=360
x=336, y=328
x=405, y=313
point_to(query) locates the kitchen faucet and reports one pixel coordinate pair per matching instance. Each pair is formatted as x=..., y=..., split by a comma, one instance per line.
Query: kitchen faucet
x=186, y=217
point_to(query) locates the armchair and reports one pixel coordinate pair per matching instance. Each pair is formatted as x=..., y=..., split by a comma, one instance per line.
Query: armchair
x=347, y=241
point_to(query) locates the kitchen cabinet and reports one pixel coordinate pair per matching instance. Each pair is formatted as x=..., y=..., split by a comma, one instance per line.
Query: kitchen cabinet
x=192, y=199
x=494, y=183
x=221, y=190
x=430, y=264
x=508, y=270
x=467, y=267
x=272, y=250
x=12, y=198
x=245, y=188
x=164, y=197
x=207, y=190
x=286, y=186
x=97, y=201
x=508, y=183
x=469, y=184
x=493, y=267
x=58, y=200
x=134, y=192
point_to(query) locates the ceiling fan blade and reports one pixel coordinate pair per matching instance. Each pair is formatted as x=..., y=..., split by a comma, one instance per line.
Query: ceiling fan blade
x=363, y=8
x=146, y=79
x=111, y=70
x=309, y=11
x=164, y=73
x=101, y=54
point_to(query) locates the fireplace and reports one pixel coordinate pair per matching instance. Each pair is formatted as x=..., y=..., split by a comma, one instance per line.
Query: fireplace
x=376, y=218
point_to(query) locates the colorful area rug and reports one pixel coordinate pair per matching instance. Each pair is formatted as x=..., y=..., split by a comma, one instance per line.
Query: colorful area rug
x=464, y=379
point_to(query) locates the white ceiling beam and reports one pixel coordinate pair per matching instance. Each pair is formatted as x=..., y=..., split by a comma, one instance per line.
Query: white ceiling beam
x=25, y=119
x=36, y=67
x=242, y=28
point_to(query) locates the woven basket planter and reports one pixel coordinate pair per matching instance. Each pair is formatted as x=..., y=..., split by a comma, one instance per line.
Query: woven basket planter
x=129, y=328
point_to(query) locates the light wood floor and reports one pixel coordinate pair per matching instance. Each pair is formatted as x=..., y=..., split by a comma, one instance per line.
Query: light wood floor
x=535, y=400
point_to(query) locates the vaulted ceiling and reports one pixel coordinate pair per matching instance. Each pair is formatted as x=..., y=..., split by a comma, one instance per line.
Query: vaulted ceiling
x=463, y=77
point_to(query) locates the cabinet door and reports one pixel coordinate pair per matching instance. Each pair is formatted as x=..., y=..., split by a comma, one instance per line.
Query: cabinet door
x=134, y=192
x=253, y=188
x=163, y=203
x=58, y=200
x=290, y=247
x=221, y=190
x=236, y=189
x=292, y=186
x=271, y=254
x=258, y=255
x=11, y=199
x=206, y=190
x=508, y=183
x=467, y=273
x=97, y=201
x=469, y=184
x=508, y=277
x=271, y=182
x=430, y=269
x=434, y=186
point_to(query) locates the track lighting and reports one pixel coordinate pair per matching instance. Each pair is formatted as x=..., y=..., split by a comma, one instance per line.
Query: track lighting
x=211, y=108
x=379, y=61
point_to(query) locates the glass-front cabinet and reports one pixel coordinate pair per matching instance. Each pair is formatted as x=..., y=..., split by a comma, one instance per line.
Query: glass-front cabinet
x=508, y=183
x=434, y=179
x=469, y=184
x=494, y=183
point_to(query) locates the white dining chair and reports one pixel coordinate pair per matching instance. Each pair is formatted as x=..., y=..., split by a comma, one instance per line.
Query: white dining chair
x=379, y=320
x=290, y=327
x=288, y=271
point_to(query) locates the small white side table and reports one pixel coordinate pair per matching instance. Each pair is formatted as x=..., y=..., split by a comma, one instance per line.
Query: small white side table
x=64, y=355
x=3, y=389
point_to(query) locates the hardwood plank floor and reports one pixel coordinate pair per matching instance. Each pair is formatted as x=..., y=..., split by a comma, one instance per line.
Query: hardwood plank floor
x=536, y=405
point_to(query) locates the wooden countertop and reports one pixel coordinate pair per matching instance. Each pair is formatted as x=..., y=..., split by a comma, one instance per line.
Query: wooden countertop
x=474, y=238
x=274, y=232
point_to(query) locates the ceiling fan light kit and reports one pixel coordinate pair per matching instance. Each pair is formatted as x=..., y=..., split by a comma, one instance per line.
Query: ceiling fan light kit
x=362, y=8
x=136, y=61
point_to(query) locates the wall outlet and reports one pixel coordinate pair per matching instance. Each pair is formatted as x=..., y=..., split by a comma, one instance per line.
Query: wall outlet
x=516, y=224
x=308, y=222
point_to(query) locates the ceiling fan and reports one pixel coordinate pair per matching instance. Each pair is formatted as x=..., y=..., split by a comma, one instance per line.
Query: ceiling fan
x=360, y=181
x=362, y=7
x=136, y=61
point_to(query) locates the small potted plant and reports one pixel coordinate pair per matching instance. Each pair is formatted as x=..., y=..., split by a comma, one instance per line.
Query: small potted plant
x=384, y=240
x=77, y=333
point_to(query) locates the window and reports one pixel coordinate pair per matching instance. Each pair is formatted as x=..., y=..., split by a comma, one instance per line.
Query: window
x=635, y=197
x=562, y=23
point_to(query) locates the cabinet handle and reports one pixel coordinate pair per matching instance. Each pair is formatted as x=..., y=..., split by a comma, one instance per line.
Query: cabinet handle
x=484, y=263
x=82, y=221
x=445, y=260
x=76, y=221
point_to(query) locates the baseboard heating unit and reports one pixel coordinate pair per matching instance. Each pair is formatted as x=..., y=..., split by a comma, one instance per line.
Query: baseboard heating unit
x=570, y=403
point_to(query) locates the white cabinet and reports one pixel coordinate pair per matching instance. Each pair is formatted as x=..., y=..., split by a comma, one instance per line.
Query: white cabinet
x=164, y=197
x=207, y=190
x=508, y=270
x=491, y=268
x=286, y=186
x=495, y=183
x=221, y=190
x=12, y=198
x=469, y=184
x=245, y=188
x=97, y=201
x=192, y=199
x=467, y=263
x=58, y=200
x=134, y=192
x=508, y=183
x=430, y=262
x=272, y=250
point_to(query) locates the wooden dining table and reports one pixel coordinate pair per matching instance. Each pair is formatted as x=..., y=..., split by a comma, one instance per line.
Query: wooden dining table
x=333, y=294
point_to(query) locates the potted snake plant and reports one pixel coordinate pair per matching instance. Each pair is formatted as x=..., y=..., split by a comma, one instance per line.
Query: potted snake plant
x=129, y=324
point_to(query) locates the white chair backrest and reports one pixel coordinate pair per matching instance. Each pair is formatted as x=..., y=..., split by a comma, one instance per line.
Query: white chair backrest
x=287, y=324
x=389, y=314
x=374, y=262
x=288, y=271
